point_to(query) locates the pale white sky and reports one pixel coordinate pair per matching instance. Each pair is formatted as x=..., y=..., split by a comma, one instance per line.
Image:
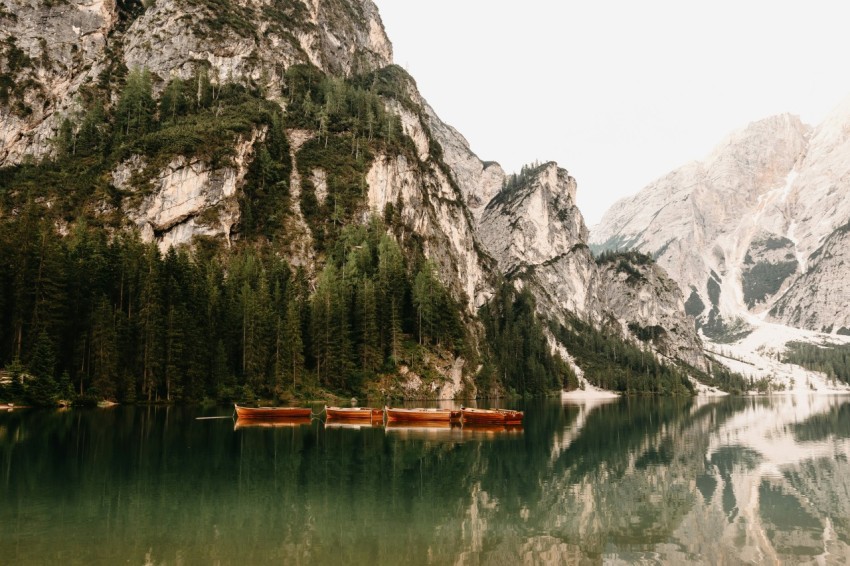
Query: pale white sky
x=618, y=92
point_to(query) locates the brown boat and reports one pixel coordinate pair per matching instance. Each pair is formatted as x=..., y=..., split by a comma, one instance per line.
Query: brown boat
x=354, y=413
x=272, y=413
x=420, y=415
x=491, y=416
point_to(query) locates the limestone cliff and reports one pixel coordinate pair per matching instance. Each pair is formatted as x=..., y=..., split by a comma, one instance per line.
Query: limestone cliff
x=55, y=51
x=537, y=234
x=752, y=230
x=819, y=297
x=705, y=223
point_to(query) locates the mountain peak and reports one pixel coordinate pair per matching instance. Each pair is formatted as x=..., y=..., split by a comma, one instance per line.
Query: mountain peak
x=737, y=230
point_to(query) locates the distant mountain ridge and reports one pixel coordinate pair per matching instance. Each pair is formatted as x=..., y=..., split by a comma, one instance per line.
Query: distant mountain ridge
x=756, y=229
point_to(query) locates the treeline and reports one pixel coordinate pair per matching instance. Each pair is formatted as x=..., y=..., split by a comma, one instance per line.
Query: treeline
x=632, y=256
x=519, y=347
x=515, y=181
x=526, y=173
x=611, y=363
x=831, y=359
x=723, y=378
x=326, y=104
x=625, y=262
x=91, y=317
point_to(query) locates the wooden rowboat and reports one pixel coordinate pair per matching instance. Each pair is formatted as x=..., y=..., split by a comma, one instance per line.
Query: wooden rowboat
x=354, y=413
x=420, y=415
x=491, y=416
x=272, y=413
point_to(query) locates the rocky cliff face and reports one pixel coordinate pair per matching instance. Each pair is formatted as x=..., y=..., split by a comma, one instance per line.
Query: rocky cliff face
x=189, y=197
x=54, y=51
x=50, y=50
x=819, y=297
x=251, y=42
x=741, y=231
x=649, y=306
x=537, y=234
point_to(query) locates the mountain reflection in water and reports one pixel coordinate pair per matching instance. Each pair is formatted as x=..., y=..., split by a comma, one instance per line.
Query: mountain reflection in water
x=760, y=480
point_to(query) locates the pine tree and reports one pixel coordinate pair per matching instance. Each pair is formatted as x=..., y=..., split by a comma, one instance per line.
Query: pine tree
x=391, y=288
x=425, y=290
x=174, y=101
x=92, y=137
x=17, y=388
x=370, y=344
x=151, y=324
x=134, y=113
x=42, y=389
x=340, y=359
x=65, y=387
x=104, y=350
x=321, y=321
x=175, y=352
x=293, y=344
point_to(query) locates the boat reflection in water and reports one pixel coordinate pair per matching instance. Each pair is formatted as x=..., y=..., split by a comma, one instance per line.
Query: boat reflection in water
x=352, y=424
x=280, y=422
x=476, y=431
x=448, y=432
x=442, y=431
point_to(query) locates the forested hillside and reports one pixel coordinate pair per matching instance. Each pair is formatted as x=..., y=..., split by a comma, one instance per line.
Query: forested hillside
x=93, y=312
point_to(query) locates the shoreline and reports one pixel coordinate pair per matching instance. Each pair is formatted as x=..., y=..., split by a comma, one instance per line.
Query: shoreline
x=588, y=394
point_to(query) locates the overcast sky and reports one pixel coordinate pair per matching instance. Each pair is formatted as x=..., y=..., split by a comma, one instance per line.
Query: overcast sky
x=618, y=92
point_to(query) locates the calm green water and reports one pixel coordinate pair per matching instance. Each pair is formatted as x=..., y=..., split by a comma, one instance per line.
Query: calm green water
x=732, y=481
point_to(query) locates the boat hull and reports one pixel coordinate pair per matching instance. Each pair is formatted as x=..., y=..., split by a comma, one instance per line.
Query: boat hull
x=365, y=414
x=422, y=415
x=272, y=413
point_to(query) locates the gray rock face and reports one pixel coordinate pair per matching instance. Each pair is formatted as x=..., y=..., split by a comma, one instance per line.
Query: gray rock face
x=818, y=299
x=751, y=229
x=189, y=197
x=66, y=45
x=737, y=230
x=258, y=40
x=479, y=181
x=538, y=236
x=768, y=267
x=649, y=305
x=432, y=210
x=49, y=51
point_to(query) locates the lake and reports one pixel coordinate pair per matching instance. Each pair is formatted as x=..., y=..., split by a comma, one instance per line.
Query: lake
x=737, y=480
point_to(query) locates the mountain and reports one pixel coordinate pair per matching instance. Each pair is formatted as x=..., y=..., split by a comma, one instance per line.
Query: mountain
x=239, y=198
x=536, y=233
x=754, y=230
